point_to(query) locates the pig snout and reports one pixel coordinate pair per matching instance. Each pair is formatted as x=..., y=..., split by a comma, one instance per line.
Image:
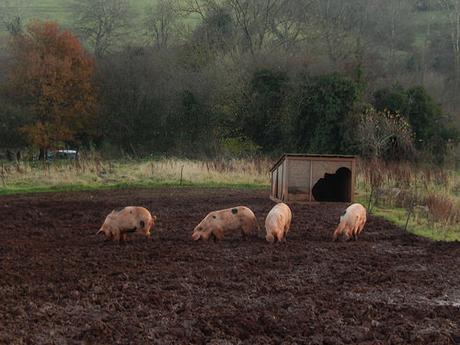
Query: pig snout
x=270, y=238
x=197, y=232
x=102, y=231
x=196, y=236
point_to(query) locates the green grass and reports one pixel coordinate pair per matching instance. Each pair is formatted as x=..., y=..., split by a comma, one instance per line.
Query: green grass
x=398, y=216
x=60, y=11
x=130, y=185
x=56, y=10
x=435, y=17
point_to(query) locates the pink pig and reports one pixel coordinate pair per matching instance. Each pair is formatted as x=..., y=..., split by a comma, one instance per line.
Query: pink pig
x=351, y=222
x=219, y=223
x=278, y=222
x=127, y=220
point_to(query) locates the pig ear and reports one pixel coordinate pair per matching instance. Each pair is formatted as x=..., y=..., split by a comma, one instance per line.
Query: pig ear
x=154, y=217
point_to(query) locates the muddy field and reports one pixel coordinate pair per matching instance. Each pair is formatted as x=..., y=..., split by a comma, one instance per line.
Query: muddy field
x=62, y=284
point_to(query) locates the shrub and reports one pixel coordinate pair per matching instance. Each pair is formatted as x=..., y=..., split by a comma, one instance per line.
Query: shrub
x=429, y=123
x=324, y=103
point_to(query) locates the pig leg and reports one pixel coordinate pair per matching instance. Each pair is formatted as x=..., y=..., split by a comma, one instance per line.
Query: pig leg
x=279, y=235
x=213, y=237
x=218, y=234
x=282, y=235
x=248, y=229
x=109, y=237
x=117, y=235
x=361, y=226
x=358, y=228
x=348, y=233
x=353, y=233
x=286, y=230
x=287, y=227
x=147, y=234
x=205, y=235
x=338, y=231
x=149, y=228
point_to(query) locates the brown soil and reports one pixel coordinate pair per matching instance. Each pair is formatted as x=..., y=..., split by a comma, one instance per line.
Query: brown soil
x=62, y=284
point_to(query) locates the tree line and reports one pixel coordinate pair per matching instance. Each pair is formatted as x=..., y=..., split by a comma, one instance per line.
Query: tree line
x=236, y=77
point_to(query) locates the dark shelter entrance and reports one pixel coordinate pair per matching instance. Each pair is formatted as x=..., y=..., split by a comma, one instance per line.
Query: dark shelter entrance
x=334, y=187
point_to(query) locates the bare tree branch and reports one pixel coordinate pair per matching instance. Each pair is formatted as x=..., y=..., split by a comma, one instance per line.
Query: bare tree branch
x=160, y=22
x=102, y=22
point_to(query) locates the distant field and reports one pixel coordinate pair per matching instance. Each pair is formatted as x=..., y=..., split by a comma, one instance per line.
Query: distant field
x=57, y=10
x=426, y=20
x=60, y=11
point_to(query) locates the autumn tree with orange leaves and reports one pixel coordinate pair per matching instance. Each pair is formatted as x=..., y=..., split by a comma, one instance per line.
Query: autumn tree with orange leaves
x=51, y=77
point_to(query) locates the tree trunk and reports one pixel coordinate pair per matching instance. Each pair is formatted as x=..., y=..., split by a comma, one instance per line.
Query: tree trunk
x=42, y=155
x=9, y=155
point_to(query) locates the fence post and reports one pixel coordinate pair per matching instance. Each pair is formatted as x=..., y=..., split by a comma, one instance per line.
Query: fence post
x=3, y=176
x=409, y=213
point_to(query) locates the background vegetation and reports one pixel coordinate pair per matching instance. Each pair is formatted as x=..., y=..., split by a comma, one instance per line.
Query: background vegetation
x=232, y=77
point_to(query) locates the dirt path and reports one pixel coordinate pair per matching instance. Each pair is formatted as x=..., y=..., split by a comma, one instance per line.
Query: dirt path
x=61, y=284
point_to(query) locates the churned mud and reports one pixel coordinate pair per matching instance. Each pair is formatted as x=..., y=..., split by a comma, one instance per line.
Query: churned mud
x=62, y=284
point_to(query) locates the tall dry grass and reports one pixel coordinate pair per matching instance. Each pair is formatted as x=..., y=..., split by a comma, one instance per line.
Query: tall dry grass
x=429, y=194
x=96, y=172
